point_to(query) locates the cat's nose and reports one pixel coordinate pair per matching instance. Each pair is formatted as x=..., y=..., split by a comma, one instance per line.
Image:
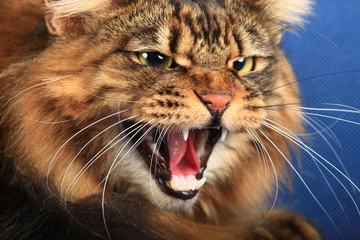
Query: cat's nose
x=216, y=102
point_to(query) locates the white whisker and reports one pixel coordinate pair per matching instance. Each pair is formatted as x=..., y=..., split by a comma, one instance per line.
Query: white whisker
x=308, y=150
x=48, y=122
x=94, y=158
x=113, y=165
x=308, y=119
x=322, y=115
x=107, y=147
x=84, y=87
x=45, y=81
x=72, y=137
x=138, y=141
x=321, y=172
x=301, y=179
x=259, y=150
x=263, y=154
x=162, y=134
x=257, y=138
x=355, y=110
x=292, y=137
x=322, y=127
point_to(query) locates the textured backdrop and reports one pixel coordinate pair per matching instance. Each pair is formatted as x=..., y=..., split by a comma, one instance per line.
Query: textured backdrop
x=326, y=59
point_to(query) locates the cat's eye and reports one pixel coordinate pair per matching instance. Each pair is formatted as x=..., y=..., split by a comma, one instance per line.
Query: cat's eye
x=243, y=65
x=155, y=59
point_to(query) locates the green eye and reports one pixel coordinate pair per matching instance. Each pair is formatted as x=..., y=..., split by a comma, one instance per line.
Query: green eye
x=243, y=65
x=155, y=59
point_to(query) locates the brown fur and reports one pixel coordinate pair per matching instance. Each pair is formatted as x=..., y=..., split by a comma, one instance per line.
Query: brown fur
x=65, y=67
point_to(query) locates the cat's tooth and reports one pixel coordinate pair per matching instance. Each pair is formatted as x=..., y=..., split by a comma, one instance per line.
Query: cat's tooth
x=185, y=133
x=224, y=134
x=200, y=183
x=174, y=182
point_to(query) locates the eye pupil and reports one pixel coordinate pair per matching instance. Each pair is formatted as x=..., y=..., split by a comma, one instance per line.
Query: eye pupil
x=239, y=64
x=155, y=59
x=244, y=65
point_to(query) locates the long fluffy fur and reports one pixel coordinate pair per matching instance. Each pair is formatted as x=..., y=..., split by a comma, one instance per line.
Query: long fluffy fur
x=291, y=12
x=68, y=8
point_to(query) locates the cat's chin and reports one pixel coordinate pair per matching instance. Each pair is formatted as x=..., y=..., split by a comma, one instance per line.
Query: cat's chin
x=176, y=159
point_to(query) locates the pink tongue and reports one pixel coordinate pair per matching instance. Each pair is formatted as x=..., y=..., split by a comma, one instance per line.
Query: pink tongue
x=183, y=159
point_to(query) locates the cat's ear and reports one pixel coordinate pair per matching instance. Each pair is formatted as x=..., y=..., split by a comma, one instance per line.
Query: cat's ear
x=64, y=16
x=290, y=12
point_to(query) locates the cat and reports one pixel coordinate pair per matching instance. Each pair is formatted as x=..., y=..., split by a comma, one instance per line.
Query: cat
x=142, y=119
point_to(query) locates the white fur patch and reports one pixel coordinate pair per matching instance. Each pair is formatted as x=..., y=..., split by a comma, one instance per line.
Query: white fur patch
x=67, y=8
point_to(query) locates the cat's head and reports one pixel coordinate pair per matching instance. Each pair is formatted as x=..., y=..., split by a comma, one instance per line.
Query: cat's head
x=167, y=99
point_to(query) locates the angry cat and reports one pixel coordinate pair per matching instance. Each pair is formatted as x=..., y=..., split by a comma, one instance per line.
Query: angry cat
x=146, y=119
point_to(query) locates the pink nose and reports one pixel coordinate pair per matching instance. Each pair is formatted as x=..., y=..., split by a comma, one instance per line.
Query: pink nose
x=215, y=102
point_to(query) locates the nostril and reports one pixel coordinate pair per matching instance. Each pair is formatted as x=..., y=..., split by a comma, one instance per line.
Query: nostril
x=216, y=102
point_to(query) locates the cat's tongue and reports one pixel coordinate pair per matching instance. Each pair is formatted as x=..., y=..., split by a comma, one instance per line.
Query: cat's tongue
x=184, y=163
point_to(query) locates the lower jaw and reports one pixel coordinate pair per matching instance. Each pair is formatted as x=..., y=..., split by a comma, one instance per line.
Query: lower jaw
x=183, y=195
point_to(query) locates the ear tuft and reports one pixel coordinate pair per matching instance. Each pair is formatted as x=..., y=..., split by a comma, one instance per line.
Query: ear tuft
x=68, y=8
x=62, y=15
x=290, y=12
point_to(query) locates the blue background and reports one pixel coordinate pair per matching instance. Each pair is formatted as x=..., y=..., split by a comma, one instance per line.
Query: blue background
x=329, y=43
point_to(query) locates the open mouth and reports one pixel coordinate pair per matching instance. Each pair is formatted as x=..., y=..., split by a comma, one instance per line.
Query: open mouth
x=178, y=159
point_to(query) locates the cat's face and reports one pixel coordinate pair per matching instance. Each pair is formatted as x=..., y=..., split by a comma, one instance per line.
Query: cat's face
x=162, y=98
